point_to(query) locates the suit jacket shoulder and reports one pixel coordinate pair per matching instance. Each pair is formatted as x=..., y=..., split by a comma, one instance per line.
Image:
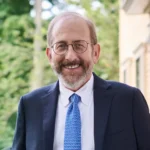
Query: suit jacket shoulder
x=36, y=94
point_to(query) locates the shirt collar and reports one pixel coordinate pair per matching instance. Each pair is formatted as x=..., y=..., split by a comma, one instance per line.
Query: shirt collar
x=84, y=92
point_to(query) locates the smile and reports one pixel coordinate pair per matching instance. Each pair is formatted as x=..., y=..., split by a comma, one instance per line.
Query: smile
x=71, y=66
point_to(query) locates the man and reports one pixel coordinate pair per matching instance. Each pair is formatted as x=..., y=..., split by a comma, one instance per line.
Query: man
x=81, y=110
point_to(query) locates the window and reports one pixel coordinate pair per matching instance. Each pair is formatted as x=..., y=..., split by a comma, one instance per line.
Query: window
x=125, y=76
x=138, y=73
x=139, y=55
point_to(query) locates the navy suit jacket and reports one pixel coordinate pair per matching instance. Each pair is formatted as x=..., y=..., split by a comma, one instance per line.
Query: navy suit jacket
x=121, y=118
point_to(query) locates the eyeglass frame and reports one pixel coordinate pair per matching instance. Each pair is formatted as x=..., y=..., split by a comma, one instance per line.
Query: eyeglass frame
x=72, y=47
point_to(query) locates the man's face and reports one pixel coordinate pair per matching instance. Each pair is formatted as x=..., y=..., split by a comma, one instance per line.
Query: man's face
x=73, y=69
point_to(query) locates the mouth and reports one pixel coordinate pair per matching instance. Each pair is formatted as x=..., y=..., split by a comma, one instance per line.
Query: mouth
x=71, y=66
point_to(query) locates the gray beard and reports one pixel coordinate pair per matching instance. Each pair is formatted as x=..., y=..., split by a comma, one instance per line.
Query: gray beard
x=79, y=82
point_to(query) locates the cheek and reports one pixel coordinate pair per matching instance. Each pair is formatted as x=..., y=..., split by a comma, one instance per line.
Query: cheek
x=87, y=60
x=87, y=57
x=57, y=59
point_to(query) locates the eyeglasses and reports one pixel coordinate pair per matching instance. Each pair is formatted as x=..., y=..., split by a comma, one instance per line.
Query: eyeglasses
x=60, y=48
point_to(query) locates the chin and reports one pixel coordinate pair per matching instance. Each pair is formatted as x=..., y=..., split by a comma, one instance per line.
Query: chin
x=73, y=82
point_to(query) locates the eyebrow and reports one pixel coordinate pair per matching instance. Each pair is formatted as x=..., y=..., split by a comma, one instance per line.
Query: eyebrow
x=62, y=41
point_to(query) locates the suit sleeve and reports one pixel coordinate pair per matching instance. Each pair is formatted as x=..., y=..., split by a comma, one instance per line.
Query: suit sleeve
x=19, y=136
x=141, y=121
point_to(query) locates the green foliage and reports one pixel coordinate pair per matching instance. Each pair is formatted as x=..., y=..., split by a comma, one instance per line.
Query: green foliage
x=15, y=65
x=18, y=30
x=14, y=7
x=53, y=2
x=16, y=38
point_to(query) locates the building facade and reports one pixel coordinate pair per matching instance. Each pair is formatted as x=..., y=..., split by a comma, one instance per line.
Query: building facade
x=134, y=44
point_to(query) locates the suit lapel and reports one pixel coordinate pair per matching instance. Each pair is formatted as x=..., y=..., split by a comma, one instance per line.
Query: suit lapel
x=49, y=114
x=102, y=100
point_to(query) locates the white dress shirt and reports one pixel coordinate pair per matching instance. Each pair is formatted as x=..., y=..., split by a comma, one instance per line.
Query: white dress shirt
x=86, y=107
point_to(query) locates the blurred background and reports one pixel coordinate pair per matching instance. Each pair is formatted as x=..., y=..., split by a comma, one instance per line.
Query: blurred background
x=123, y=31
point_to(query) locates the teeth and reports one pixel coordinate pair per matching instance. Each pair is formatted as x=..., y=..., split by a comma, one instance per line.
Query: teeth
x=72, y=67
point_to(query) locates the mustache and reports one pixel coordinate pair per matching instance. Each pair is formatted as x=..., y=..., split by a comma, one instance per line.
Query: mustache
x=69, y=63
x=59, y=66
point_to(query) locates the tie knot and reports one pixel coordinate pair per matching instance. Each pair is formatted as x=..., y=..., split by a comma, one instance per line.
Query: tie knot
x=75, y=98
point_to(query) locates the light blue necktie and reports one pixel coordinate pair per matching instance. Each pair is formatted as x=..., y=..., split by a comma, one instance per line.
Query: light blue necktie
x=72, y=138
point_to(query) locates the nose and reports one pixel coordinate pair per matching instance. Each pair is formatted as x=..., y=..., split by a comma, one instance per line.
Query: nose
x=70, y=54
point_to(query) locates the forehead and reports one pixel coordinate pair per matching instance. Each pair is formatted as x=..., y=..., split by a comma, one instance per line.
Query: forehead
x=70, y=28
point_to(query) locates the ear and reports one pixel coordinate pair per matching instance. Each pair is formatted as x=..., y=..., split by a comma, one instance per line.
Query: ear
x=48, y=53
x=96, y=53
